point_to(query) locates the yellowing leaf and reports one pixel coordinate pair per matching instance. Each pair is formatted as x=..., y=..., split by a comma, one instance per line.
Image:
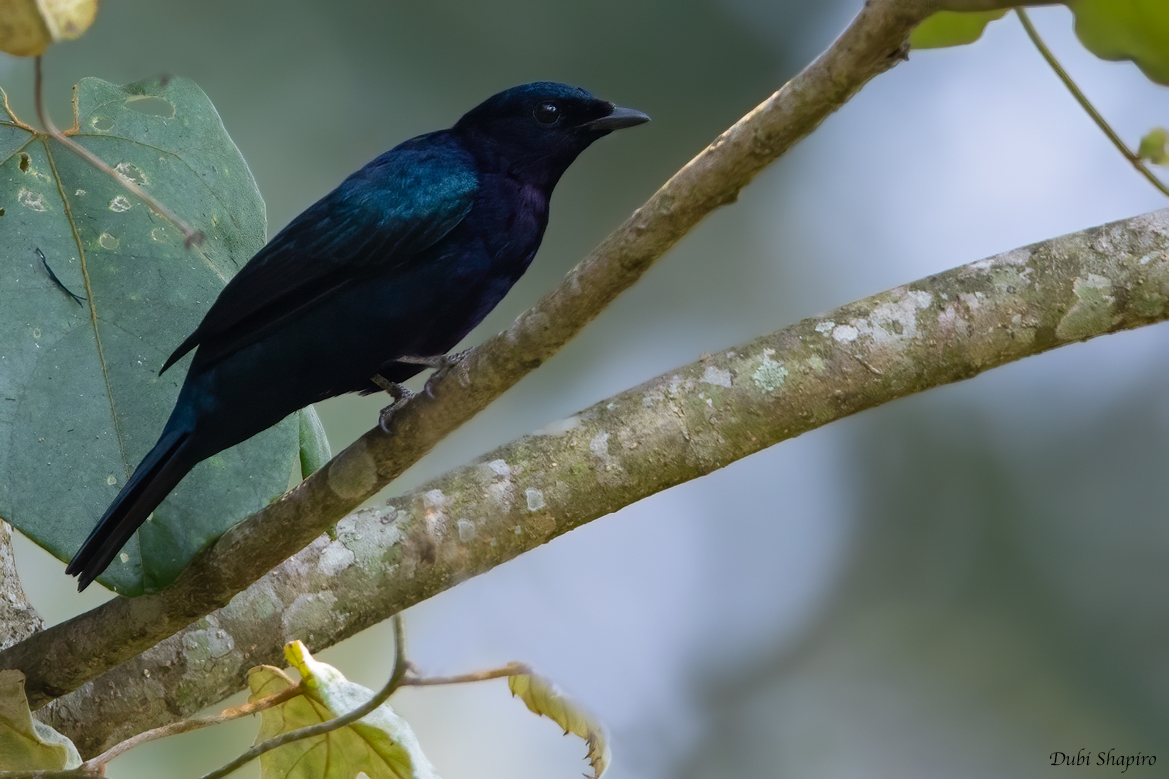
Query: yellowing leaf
x=952, y=28
x=27, y=27
x=381, y=744
x=543, y=698
x=25, y=744
x=1136, y=30
x=1155, y=146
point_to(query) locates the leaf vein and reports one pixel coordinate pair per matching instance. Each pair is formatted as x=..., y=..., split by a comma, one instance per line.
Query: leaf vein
x=92, y=307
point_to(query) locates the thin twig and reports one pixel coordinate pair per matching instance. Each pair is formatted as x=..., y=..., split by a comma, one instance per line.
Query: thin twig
x=321, y=728
x=185, y=726
x=1128, y=153
x=191, y=236
x=511, y=669
x=399, y=678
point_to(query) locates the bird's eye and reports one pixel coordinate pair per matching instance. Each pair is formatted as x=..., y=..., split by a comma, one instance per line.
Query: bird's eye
x=547, y=113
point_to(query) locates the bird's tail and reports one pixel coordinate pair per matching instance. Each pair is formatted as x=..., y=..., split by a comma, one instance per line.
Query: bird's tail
x=153, y=479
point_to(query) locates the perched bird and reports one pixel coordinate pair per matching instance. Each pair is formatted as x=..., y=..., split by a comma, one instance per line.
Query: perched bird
x=372, y=283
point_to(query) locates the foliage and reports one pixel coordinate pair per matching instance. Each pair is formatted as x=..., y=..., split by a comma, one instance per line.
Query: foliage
x=30, y=26
x=1155, y=146
x=99, y=297
x=542, y=697
x=381, y=744
x=97, y=291
x=1136, y=30
x=25, y=744
x=952, y=28
x=304, y=733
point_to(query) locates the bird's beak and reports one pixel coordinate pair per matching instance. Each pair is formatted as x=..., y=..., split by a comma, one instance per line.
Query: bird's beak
x=619, y=118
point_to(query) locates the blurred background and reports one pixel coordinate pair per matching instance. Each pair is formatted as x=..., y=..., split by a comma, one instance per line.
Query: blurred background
x=959, y=583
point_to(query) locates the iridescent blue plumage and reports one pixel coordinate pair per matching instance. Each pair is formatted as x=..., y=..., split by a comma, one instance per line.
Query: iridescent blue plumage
x=401, y=260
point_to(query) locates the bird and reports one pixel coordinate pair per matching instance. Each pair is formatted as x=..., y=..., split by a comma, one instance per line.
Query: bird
x=370, y=285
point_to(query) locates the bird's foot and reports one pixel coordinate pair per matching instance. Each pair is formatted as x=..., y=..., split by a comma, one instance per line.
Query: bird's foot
x=442, y=365
x=396, y=391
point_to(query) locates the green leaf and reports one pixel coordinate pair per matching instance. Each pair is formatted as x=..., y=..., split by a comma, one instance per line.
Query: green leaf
x=1136, y=30
x=81, y=401
x=314, y=446
x=1155, y=146
x=543, y=698
x=952, y=28
x=381, y=744
x=25, y=744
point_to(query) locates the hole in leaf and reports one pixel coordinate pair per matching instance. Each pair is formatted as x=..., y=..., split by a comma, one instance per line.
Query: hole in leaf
x=1, y=212
x=24, y=163
x=151, y=106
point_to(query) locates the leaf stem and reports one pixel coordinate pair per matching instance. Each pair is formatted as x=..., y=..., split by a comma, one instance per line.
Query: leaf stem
x=195, y=723
x=1129, y=155
x=511, y=669
x=399, y=673
x=191, y=236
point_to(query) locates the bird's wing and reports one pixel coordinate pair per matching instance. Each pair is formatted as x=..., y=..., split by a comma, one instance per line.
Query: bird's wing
x=380, y=217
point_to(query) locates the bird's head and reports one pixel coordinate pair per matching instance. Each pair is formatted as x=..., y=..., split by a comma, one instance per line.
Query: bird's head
x=538, y=129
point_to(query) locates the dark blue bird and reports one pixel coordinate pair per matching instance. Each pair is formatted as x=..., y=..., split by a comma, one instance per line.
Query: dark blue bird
x=379, y=278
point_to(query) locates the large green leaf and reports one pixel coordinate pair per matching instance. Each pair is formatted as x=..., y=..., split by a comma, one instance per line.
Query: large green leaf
x=81, y=400
x=1136, y=30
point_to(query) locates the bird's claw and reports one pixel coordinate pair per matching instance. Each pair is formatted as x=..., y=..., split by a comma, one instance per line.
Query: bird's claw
x=442, y=365
x=396, y=391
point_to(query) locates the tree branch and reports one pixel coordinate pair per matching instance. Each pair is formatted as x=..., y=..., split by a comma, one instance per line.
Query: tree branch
x=66, y=656
x=679, y=426
x=18, y=619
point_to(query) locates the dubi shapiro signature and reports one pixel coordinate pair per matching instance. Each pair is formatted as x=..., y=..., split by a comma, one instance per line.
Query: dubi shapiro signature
x=1085, y=757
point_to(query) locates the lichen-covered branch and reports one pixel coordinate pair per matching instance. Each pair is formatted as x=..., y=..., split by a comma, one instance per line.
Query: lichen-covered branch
x=677, y=427
x=66, y=656
x=18, y=619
